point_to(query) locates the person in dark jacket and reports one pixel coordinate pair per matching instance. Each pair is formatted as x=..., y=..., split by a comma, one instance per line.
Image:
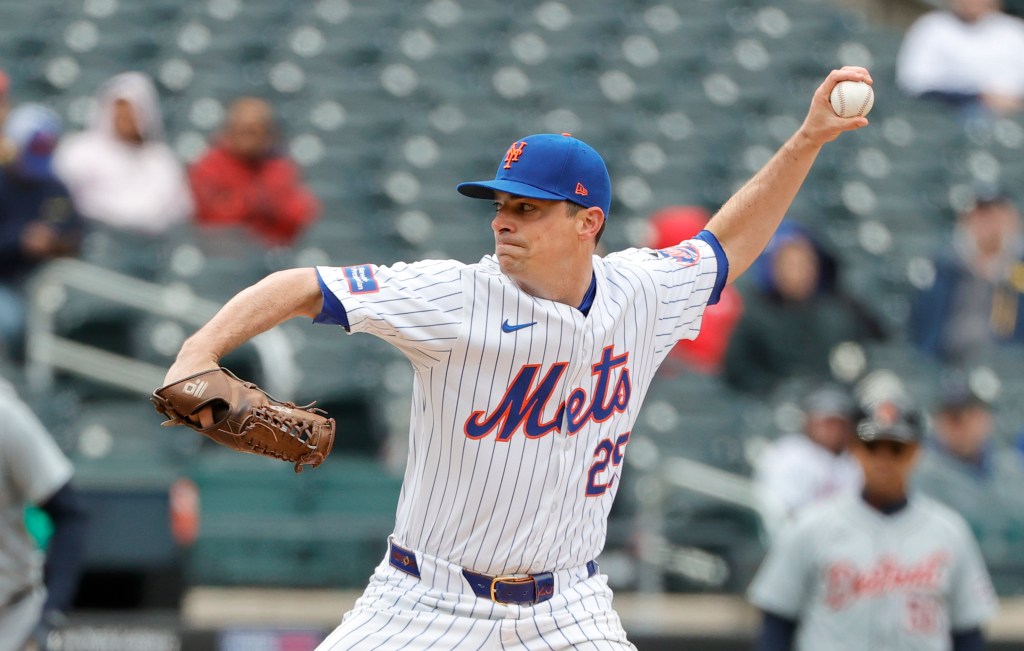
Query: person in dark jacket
x=795, y=314
x=38, y=221
x=974, y=305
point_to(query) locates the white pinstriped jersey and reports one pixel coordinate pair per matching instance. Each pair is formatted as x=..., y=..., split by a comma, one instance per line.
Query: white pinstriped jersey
x=858, y=580
x=522, y=407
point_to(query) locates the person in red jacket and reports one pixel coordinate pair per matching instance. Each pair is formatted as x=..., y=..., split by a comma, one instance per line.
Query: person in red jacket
x=705, y=354
x=244, y=180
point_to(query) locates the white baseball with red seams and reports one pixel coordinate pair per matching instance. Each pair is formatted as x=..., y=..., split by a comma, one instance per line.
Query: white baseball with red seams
x=852, y=99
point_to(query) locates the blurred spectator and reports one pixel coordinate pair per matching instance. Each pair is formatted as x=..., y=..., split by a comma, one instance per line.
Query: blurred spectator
x=245, y=180
x=120, y=170
x=5, y=86
x=974, y=303
x=670, y=226
x=34, y=472
x=968, y=56
x=966, y=468
x=37, y=219
x=804, y=467
x=793, y=316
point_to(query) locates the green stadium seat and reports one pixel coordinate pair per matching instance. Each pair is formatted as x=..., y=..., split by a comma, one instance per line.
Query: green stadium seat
x=263, y=525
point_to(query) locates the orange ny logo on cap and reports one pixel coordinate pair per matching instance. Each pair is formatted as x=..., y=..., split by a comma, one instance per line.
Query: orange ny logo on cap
x=514, y=152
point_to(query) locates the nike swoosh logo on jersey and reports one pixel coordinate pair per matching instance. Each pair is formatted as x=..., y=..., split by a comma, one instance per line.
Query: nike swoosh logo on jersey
x=506, y=327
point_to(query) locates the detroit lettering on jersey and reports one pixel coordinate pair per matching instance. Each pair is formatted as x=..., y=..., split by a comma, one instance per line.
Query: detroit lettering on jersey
x=845, y=583
x=522, y=407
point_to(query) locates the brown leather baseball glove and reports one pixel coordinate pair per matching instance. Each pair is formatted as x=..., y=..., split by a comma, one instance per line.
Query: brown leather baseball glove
x=243, y=417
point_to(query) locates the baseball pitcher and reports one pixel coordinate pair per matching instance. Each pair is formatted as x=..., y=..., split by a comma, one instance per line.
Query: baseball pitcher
x=530, y=368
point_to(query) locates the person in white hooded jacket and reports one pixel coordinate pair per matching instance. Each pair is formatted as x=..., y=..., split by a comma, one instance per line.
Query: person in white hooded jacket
x=120, y=170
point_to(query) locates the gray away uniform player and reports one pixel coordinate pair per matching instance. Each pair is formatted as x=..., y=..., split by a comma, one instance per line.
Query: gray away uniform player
x=33, y=471
x=878, y=570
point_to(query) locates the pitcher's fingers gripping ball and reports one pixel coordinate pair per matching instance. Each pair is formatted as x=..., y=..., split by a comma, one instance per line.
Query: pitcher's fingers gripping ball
x=243, y=417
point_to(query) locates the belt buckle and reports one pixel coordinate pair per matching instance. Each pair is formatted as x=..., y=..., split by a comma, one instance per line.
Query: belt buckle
x=511, y=579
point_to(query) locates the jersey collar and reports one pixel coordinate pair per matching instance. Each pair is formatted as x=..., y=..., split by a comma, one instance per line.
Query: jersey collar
x=588, y=298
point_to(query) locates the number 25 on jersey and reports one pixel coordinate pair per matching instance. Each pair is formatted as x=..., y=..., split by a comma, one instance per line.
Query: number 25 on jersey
x=605, y=453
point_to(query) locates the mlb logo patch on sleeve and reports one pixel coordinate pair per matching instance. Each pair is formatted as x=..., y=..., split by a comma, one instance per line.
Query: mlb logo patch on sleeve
x=686, y=255
x=361, y=280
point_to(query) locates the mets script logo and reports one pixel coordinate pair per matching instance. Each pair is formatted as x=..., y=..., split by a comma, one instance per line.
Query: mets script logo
x=526, y=400
x=845, y=583
x=514, y=152
x=686, y=255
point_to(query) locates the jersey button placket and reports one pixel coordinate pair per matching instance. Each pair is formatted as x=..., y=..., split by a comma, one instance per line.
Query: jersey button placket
x=545, y=514
x=561, y=449
x=579, y=376
x=547, y=506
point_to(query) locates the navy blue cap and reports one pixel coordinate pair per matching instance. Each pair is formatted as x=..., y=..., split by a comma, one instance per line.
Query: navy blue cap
x=33, y=129
x=889, y=421
x=830, y=400
x=956, y=393
x=988, y=194
x=549, y=166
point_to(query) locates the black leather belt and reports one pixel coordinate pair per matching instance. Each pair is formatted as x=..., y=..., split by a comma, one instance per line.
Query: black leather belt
x=530, y=589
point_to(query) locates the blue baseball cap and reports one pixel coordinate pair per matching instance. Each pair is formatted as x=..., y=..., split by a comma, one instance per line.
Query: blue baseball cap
x=549, y=166
x=33, y=129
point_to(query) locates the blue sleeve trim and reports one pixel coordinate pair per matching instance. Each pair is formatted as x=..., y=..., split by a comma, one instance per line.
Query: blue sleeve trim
x=969, y=640
x=64, y=556
x=723, y=264
x=777, y=633
x=333, y=312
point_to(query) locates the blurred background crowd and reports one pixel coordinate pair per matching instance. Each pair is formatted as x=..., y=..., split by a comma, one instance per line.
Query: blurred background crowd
x=160, y=155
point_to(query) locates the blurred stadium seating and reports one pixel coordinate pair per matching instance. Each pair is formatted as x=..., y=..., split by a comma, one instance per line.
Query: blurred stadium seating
x=262, y=525
x=387, y=105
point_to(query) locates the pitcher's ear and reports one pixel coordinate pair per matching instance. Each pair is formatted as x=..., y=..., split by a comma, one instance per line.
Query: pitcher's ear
x=593, y=220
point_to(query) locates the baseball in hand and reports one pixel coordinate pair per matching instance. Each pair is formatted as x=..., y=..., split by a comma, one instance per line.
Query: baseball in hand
x=851, y=99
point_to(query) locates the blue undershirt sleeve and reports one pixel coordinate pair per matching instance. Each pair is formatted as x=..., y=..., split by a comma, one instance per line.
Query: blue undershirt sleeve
x=969, y=640
x=64, y=556
x=333, y=312
x=777, y=633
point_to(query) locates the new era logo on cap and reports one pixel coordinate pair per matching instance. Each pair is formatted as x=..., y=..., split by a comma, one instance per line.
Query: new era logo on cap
x=549, y=166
